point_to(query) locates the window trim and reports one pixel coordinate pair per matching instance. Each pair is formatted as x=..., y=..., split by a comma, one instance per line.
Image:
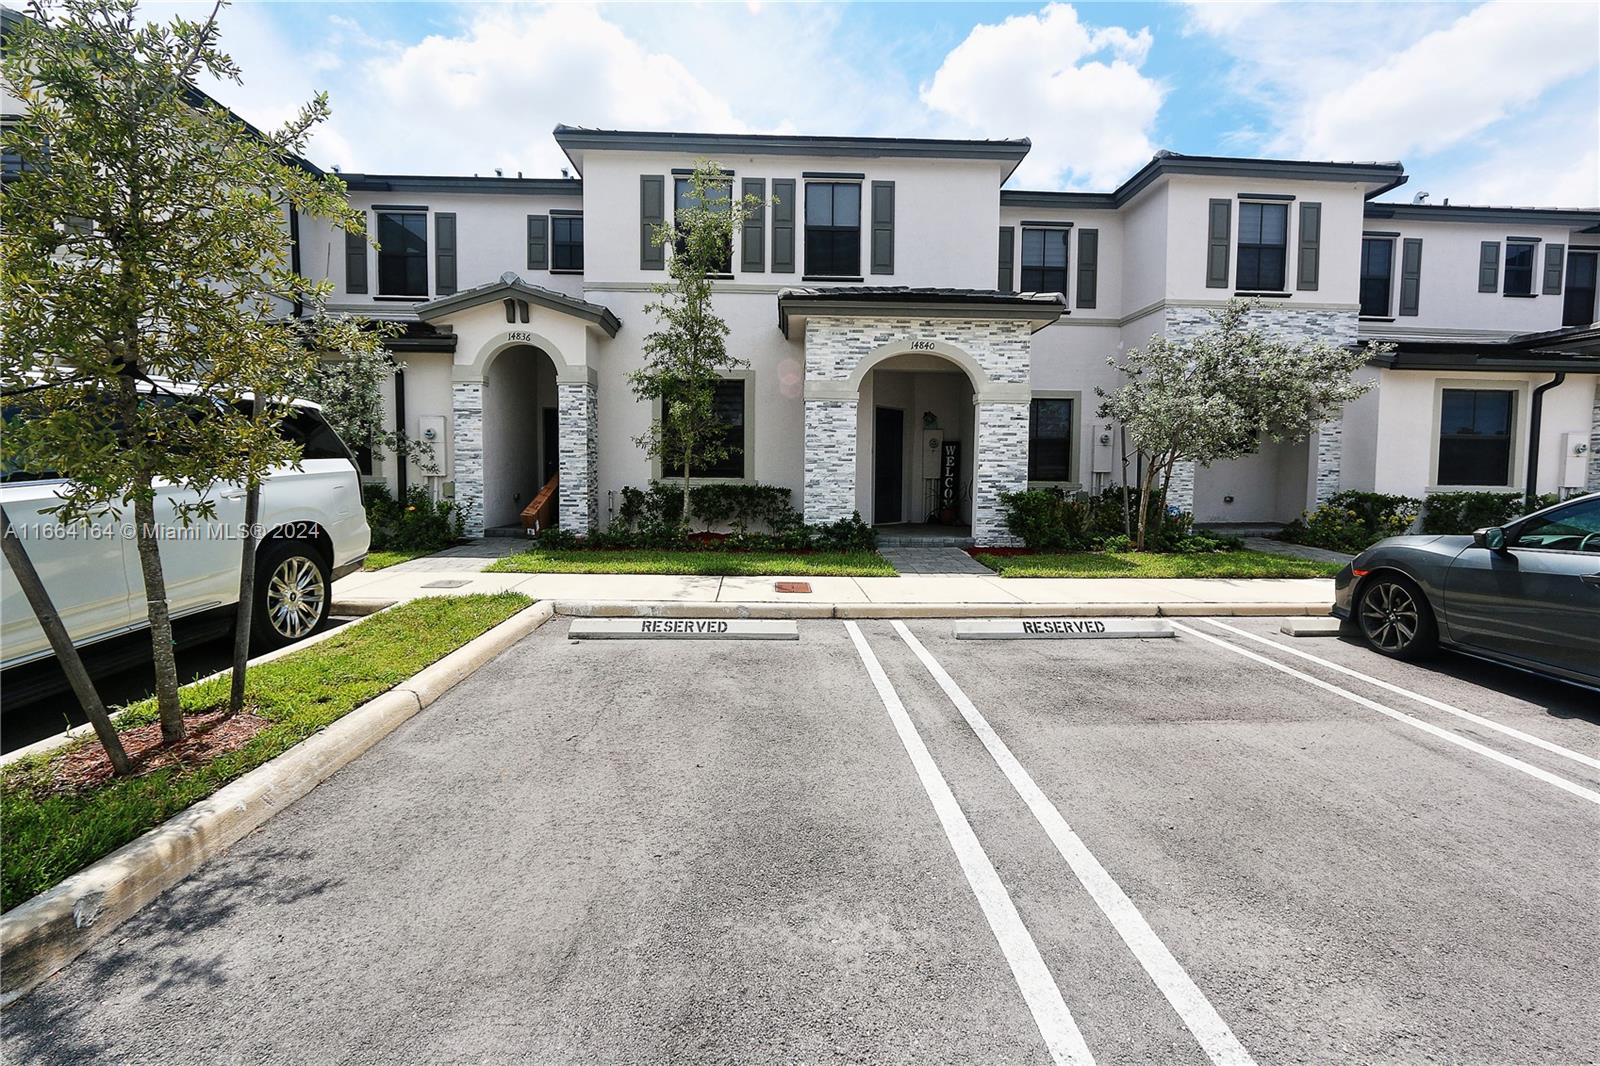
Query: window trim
x=749, y=478
x=1074, y=443
x=1533, y=267
x=1388, y=312
x=1248, y=200
x=427, y=256
x=1065, y=230
x=1519, y=445
x=807, y=273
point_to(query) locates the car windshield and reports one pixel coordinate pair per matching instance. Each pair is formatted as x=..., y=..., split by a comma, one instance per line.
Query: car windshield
x=1574, y=528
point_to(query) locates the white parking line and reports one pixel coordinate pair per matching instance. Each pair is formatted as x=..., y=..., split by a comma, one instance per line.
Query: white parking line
x=1400, y=716
x=1528, y=738
x=1039, y=989
x=1187, y=1000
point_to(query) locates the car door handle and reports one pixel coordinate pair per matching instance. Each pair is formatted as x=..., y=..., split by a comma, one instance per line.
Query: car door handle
x=1592, y=579
x=234, y=495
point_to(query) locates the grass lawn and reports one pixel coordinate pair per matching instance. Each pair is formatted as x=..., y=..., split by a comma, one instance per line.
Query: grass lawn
x=379, y=560
x=708, y=563
x=1138, y=564
x=53, y=832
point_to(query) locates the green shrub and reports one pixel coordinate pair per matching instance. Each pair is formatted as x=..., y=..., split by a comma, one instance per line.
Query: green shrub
x=1048, y=519
x=420, y=524
x=1463, y=512
x=652, y=517
x=1353, y=521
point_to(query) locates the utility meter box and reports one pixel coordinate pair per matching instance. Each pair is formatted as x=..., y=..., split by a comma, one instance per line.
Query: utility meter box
x=1574, y=460
x=1104, y=435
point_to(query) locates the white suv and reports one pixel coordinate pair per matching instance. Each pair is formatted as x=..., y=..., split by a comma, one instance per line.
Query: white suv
x=314, y=531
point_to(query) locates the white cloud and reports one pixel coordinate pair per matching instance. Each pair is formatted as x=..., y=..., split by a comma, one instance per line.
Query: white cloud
x=1454, y=82
x=1077, y=91
x=1464, y=97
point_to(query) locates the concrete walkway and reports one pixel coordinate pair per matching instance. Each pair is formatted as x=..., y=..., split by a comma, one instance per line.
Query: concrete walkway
x=1297, y=551
x=980, y=593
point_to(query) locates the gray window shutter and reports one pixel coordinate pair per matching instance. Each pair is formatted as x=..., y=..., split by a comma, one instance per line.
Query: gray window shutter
x=752, y=238
x=1088, y=266
x=1554, y=256
x=1217, y=244
x=538, y=242
x=1410, y=276
x=444, y=253
x=883, y=227
x=652, y=213
x=783, y=226
x=355, y=262
x=1310, y=246
x=1008, y=257
x=1488, y=266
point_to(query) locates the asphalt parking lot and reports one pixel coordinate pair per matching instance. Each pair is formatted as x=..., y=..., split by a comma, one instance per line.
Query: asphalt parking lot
x=881, y=844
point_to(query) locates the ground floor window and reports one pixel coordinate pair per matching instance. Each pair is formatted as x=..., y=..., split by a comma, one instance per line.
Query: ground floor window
x=1475, y=436
x=1050, y=440
x=729, y=406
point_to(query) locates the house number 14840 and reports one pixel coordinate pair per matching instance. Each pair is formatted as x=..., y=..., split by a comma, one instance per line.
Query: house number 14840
x=922, y=346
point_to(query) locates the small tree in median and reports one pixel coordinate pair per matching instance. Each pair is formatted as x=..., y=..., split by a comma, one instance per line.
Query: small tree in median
x=1218, y=395
x=687, y=354
x=144, y=241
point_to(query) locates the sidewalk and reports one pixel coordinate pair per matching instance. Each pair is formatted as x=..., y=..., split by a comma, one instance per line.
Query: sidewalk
x=944, y=594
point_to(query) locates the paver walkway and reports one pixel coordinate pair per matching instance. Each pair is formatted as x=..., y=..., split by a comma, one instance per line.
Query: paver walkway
x=931, y=560
x=1297, y=551
x=463, y=558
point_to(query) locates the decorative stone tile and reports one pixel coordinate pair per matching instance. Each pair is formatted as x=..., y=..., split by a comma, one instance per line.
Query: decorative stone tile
x=830, y=460
x=579, y=464
x=467, y=408
x=1002, y=467
x=1592, y=477
x=1180, y=489
x=836, y=346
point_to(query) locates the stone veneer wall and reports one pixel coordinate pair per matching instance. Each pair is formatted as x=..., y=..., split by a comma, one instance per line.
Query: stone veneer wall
x=580, y=456
x=1592, y=477
x=467, y=406
x=1278, y=323
x=835, y=346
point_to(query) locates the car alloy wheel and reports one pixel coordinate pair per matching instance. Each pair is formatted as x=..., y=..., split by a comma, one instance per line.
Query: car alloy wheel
x=1390, y=617
x=295, y=597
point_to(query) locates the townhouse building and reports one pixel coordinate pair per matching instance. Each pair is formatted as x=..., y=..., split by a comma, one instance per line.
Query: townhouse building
x=921, y=339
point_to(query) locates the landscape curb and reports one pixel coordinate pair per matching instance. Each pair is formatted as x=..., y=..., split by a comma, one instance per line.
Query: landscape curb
x=41, y=936
x=677, y=609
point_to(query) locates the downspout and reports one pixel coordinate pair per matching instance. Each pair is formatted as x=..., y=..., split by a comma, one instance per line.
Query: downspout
x=402, y=460
x=294, y=256
x=1535, y=416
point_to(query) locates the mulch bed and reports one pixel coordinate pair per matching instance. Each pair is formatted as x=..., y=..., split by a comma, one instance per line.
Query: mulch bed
x=87, y=766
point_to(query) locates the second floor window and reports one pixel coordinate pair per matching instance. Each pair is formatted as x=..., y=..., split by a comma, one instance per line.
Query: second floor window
x=833, y=229
x=566, y=242
x=1519, y=268
x=1377, y=273
x=1263, y=246
x=721, y=200
x=1044, y=260
x=403, y=253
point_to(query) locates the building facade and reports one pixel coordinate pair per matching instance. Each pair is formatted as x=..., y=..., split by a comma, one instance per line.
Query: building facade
x=921, y=339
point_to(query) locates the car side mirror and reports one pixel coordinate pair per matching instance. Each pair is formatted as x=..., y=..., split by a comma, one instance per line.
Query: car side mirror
x=1493, y=538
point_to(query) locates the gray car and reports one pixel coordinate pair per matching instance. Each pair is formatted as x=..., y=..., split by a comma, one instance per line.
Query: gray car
x=1526, y=594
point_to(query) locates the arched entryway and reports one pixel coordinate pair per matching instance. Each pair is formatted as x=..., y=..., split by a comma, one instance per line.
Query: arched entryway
x=916, y=424
x=521, y=432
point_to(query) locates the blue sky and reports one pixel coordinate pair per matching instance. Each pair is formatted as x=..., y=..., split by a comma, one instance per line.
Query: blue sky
x=1484, y=103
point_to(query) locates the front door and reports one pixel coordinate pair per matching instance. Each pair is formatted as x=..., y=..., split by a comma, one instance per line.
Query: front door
x=550, y=430
x=888, y=435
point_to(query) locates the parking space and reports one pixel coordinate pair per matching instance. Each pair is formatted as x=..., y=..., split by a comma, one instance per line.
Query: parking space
x=879, y=843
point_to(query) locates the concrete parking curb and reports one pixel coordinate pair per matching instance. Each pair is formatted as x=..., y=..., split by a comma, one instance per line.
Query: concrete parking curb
x=676, y=609
x=42, y=935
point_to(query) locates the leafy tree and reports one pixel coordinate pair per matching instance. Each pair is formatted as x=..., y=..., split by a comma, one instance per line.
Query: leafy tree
x=687, y=354
x=349, y=387
x=145, y=243
x=1217, y=395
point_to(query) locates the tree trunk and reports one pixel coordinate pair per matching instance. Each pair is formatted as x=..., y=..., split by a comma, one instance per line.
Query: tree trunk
x=162, y=651
x=247, y=596
x=61, y=643
x=1145, y=482
x=688, y=453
